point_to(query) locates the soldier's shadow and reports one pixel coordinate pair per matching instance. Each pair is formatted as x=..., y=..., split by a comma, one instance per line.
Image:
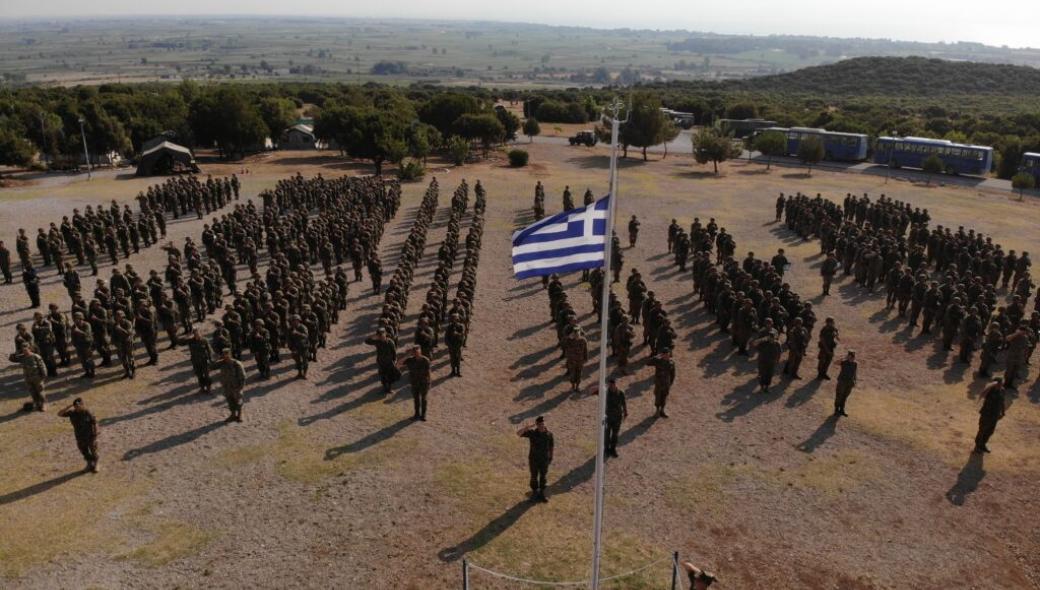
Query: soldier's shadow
x=968, y=480
x=369, y=440
x=745, y=398
x=820, y=436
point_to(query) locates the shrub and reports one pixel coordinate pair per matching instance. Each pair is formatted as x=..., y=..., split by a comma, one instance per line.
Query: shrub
x=410, y=169
x=518, y=158
x=458, y=149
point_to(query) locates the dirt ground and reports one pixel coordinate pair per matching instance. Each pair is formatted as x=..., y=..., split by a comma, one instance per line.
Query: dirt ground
x=327, y=484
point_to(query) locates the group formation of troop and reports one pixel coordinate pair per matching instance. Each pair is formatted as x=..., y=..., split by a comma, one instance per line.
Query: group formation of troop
x=947, y=279
x=112, y=230
x=287, y=308
x=435, y=311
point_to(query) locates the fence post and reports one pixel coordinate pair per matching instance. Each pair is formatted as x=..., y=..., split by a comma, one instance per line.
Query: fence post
x=465, y=574
x=675, y=569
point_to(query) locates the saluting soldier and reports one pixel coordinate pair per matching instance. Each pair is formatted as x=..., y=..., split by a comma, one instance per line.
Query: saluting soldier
x=846, y=381
x=201, y=357
x=419, y=377
x=386, y=358
x=539, y=456
x=260, y=344
x=82, y=341
x=123, y=337
x=85, y=427
x=232, y=381
x=828, y=341
x=664, y=377
x=990, y=413
x=617, y=411
x=34, y=371
x=576, y=353
x=455, y=338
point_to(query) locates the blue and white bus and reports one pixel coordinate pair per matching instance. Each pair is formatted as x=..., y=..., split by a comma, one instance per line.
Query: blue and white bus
x=837, y=146
x=911, y=152
x=1031, y=164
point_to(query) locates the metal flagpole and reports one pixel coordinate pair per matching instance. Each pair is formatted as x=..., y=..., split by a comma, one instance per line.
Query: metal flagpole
x=597, y=526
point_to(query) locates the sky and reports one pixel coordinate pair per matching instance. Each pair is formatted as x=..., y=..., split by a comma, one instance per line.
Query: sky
x=1005, y=22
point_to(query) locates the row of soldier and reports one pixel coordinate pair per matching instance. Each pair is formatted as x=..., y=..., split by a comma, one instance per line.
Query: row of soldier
x=960, y=299
x=287, y=309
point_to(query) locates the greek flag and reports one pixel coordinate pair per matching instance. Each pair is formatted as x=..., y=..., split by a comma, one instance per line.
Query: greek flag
x=570, y=241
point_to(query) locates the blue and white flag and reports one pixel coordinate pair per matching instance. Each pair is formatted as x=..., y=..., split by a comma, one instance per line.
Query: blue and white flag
x=566, y=242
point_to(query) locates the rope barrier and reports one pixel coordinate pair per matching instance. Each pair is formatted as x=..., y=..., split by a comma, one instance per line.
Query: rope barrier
x=581, y=583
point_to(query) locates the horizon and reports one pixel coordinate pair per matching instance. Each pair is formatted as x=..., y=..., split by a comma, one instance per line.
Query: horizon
x=23, y=11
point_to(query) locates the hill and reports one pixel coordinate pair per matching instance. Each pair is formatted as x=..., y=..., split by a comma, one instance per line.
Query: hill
x=898, y=76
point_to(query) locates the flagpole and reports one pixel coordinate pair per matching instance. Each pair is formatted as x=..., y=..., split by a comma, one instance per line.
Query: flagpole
x=597, y=526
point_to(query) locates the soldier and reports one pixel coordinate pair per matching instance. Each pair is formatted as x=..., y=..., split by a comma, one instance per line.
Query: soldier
x=991, y=347
x=971, y=333
x=846, y=381
x=769, y=352
x=700, y=579
x=623, y=337
x=144, y=324
x=32, y=284
x=83, y=341
x=419, y=377
x=455, y=338
x=60, y=327
x=617, y=411
x=386, y=358
x=990, y=413
x=1017, y=347
x=797, y=343
x=633, y=231
x=673, y=233
x=780, y=202
x=539, y=456
x=232, y=380
x=664, y=377
x=201, y=357
x=34, y=371
x=299, y=341
x=828, y=341
x=85, y=427
x=43, y=337
x=576, y=353
x=375, y=272
x=828, y=269
x=123, y=337
x=780, y=262
x=260, y=344
x=5, y=263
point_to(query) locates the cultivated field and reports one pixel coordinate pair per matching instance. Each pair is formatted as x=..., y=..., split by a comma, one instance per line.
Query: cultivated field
x=327, y=484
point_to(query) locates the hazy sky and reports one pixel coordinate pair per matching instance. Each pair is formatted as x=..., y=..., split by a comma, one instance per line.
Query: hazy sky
x=1005, y=22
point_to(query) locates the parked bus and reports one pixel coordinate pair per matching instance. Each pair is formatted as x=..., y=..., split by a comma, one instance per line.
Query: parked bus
x=683, y=120
x=1031, y=164
x=741, y=128
x=837, y=146
x=911, y=152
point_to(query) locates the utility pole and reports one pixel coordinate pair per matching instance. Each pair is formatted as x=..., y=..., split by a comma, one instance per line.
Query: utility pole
x=86, y=154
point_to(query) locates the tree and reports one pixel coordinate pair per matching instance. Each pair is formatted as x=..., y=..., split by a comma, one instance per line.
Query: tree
x=509, y=122
x=709, y=145
x=810, y=151
x=486, y=128
x=531, y=128
x=770, y=144
x=14, y=150
x=668, y=134
x=458, y=149
x=227, y=118
x=932, y=165
x=742, y=110
x=646, y=123
x=365, y=133
x=1021, y=182
x=422, y=139
x=445, y=108
x=278, y=114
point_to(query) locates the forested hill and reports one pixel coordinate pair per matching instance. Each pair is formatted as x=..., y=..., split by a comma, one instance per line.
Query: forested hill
x=899, y=76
